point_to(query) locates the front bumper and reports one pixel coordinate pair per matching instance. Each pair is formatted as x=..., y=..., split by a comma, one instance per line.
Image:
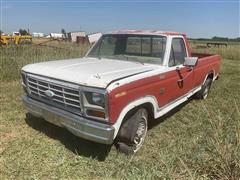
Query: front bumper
x=79, y=126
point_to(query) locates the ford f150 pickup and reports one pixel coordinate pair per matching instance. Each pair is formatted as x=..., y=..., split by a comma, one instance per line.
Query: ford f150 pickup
x=127, y=78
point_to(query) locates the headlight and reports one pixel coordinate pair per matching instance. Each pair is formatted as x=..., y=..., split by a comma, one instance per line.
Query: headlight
x=94, y=104
x=94, y=98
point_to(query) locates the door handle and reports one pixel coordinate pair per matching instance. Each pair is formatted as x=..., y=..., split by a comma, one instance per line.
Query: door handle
x=181, y=78
x=180, y=81
x=179, y=73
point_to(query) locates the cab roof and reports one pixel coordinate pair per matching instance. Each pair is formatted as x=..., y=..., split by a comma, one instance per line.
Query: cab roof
x=147, y=32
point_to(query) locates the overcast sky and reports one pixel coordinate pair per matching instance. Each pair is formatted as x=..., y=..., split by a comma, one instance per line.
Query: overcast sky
x=197, y=18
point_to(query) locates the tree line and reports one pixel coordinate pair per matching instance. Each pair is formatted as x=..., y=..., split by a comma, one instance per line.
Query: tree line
x=217, y=38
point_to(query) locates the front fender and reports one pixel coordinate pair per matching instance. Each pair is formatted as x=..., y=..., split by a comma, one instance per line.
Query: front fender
x=130, y=106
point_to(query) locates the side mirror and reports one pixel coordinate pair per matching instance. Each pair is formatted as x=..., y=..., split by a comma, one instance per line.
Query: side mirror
x=190, y=61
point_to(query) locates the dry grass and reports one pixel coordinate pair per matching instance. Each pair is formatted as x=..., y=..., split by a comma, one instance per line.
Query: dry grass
x=232, y=51
x=199, y=140
x=13, y=58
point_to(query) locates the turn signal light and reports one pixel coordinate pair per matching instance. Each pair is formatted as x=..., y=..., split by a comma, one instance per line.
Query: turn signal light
x=96, y=113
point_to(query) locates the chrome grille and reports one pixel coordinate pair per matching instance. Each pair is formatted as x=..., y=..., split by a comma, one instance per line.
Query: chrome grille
x=66, y=97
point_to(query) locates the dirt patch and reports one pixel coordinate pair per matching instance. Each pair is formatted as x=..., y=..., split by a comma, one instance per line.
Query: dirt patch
x=6, y=138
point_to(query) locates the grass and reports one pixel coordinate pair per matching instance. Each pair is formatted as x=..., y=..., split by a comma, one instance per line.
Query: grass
x=13, y=58
x=199, y=140
x=230, y=52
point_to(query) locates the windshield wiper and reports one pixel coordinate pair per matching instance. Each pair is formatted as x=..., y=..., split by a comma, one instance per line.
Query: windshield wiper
x=139, y=61
x=121, y=57
x=126, y=58
x=135, y=59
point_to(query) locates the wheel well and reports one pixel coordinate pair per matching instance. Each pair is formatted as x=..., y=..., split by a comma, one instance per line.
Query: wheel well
x=148, y=106
x=210, y=75
x=127, y=126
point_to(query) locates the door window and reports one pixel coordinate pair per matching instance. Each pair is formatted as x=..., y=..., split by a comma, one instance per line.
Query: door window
x=178, y=52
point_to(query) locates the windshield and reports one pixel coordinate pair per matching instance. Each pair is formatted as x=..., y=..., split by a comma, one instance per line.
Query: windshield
x=141, y=48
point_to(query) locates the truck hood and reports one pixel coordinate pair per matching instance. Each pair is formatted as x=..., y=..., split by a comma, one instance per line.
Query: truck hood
x=88, y=71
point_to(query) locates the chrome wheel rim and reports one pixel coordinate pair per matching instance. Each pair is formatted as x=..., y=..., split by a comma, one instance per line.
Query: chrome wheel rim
x=140, y=134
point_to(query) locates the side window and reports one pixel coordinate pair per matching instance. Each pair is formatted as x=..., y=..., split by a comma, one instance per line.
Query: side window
x=178, y=52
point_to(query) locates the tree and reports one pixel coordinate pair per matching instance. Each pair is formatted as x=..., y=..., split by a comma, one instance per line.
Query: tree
x=1, y=32
x=216, y=38
x=23, y=32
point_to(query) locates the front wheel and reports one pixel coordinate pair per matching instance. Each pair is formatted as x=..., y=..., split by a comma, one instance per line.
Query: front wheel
x=133, y=132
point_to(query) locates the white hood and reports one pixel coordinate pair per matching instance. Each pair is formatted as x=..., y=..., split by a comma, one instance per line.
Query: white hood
x=88, y=71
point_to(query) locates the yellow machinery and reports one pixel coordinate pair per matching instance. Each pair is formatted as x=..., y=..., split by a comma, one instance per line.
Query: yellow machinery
x=17, y=39
x=4, y=39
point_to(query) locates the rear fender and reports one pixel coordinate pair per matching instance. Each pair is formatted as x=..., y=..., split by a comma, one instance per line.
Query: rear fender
x=210, y=72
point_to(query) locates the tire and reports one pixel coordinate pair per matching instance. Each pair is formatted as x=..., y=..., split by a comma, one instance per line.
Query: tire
x=203, y=93
x=133, y=132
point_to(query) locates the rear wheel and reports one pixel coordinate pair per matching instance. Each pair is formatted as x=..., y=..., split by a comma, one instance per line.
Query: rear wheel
x=133, y=132
x=203, y=93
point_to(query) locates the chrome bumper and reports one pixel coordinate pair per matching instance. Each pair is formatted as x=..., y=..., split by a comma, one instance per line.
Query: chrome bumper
x=79, y=126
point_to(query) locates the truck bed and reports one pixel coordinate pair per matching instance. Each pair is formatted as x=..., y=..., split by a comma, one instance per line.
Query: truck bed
x=201, y=55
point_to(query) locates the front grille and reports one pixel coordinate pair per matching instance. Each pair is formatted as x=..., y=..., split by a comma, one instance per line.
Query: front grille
x=63, y=97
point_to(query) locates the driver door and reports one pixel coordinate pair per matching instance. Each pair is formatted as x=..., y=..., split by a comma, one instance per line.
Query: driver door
x=183, y=75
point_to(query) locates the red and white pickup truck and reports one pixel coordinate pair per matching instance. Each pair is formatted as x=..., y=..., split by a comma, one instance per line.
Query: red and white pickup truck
x=127, y=78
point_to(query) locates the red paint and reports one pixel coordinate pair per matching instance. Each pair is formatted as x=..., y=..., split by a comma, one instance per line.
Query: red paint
x=152, y=85
x=146, y=32
x=187, y=45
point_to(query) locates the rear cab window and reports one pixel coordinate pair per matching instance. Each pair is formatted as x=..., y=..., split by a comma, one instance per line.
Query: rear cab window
x=148, y=48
